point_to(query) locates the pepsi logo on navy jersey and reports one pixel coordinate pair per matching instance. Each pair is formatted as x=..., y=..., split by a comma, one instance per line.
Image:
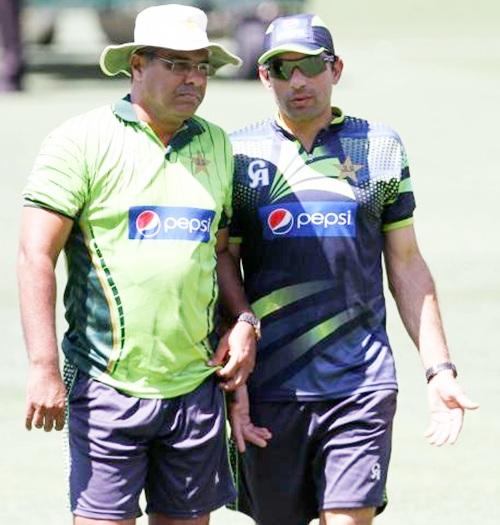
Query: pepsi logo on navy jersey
x=309, y=219
x=280, y=221
x=169, y=222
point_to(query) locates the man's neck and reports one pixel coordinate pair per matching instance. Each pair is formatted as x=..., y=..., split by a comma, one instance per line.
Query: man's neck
x=163, y=129
x=305, y=130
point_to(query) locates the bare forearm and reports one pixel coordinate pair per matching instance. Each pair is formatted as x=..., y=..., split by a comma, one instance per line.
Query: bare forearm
x=230, y=284
x=43, y=235
x=413, y=288
x=37, y=292
x=415, y=294
x=236, y=349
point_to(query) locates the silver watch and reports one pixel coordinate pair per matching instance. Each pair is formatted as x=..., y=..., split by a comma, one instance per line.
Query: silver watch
x=251, y=319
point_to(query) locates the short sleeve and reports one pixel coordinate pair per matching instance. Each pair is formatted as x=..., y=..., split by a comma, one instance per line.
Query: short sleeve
x=58, y=180
x=400, y=201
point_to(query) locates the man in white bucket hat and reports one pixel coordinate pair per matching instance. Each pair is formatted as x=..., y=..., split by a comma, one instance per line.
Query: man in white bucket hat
x=138, y=194
x=178, y=27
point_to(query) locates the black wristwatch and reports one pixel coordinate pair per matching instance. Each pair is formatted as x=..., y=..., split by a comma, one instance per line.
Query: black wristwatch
x=251, y=319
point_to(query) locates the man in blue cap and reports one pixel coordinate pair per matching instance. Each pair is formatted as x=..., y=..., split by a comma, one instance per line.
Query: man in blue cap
x=319, y=199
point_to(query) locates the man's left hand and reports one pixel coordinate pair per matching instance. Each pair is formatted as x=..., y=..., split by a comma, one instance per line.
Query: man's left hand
x=236, y=354
x=243, y=430
x=447, y=403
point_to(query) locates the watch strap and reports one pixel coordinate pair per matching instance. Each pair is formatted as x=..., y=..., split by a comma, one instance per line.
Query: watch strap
x=434, y=370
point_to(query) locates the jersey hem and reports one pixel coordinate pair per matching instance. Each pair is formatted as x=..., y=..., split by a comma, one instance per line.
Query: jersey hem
x=322, y=397
x=155, y=393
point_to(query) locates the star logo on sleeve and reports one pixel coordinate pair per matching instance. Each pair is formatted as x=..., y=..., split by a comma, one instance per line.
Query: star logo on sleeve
x=200, y=162
x=348, y=170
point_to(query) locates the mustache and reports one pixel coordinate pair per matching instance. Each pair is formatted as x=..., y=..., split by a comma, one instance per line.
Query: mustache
x=191, y=91
x=301, y=92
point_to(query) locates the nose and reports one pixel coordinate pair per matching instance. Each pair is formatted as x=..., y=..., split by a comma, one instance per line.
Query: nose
x=196, y=77
x=298, y=79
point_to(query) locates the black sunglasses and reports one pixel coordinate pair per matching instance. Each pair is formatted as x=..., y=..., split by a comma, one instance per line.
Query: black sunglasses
x=309, y=66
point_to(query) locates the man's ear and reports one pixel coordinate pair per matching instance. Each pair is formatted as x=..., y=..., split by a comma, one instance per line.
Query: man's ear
x=264, y=77
x=338, y=67
x=137, y=62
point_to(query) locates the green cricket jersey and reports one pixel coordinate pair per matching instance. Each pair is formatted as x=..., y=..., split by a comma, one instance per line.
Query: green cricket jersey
x=141, y=255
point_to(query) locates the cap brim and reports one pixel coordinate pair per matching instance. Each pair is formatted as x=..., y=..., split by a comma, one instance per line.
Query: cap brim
x=116, y=59
x=290, y=48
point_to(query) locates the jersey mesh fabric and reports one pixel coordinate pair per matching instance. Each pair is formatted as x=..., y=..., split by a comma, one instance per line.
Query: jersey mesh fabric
x=311, y=227
x=141, y=254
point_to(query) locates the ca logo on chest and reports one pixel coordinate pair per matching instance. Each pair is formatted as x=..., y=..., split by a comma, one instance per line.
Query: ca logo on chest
x=258, y=173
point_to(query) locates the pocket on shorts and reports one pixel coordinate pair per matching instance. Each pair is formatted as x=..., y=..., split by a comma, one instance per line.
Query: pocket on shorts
x=78, y=387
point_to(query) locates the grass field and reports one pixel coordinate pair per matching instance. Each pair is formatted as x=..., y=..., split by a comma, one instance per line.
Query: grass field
x=431, y=70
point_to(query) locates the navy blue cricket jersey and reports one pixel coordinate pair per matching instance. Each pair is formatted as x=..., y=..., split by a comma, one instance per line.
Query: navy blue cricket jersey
x=311, y=227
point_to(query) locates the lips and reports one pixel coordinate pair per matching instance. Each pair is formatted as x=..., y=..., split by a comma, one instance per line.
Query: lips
x=300, y=99
x=189, y=96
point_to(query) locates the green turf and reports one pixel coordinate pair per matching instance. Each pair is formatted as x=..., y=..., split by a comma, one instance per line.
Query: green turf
x=432, y=73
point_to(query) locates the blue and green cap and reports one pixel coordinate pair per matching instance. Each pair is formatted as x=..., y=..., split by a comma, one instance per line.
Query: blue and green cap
x=305, y=33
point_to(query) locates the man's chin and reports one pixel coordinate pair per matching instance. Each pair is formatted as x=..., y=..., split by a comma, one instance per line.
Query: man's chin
x=301, y=114
x=187, y=110
x=187, y=104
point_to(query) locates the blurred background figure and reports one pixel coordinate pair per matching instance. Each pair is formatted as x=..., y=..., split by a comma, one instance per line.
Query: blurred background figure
x=12, y=64
x=239, y=24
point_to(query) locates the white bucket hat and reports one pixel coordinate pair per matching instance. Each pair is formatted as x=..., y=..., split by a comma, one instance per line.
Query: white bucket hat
x=171, y=26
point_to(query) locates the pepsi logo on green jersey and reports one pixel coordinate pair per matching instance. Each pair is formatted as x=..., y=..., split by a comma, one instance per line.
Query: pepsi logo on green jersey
x=169, y=222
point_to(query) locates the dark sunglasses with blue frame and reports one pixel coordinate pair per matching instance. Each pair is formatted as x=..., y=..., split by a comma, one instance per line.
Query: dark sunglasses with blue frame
x=309, y=66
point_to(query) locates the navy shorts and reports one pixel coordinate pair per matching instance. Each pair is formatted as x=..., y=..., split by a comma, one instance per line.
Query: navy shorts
x=323, y=455
x=174, y=449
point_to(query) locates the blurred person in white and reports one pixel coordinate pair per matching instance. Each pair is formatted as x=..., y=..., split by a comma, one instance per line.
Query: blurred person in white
x=11, y=53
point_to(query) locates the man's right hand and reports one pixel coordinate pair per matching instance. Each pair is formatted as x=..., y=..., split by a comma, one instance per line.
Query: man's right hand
x=236, y=355
x=46, y=399
x=43, y=235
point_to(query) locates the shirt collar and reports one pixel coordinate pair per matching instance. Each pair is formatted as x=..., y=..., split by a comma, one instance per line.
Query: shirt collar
x=124, y=109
